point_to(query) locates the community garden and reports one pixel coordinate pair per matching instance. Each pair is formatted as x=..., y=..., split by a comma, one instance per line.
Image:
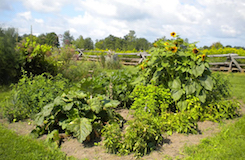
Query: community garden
x=112, y=111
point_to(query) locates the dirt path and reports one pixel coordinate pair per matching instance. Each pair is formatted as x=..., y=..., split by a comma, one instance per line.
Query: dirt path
x=172, y=147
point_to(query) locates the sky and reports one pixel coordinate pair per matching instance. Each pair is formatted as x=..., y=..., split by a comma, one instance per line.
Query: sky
x=202, y=21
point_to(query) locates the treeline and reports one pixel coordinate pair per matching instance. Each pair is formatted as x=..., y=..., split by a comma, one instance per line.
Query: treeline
x=128, y=42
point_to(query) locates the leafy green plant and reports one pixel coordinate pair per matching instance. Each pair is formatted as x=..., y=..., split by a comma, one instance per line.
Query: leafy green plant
x=113, y=138
x=32, y=93
x=77, y=114
x=142, y=135
x=116, y=85
x=152, y=99
x=179, y=66
x=34, y=57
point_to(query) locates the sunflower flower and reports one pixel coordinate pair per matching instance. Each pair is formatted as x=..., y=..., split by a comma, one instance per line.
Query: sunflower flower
x=173, y=34
x=155, y=45
x=203, y=57
x=195, y=50
x=173, y=49
x=166, y=43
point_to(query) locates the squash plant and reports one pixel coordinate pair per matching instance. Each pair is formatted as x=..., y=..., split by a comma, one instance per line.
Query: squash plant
x=76, y=114
x=179, y=66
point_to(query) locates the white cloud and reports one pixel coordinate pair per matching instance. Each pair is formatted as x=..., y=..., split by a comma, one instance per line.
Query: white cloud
x=197, y=20
x=44, y=5
x=39, y=21
x=26, y=15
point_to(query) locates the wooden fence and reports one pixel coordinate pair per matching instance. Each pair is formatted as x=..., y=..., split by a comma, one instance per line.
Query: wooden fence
x=229, y=65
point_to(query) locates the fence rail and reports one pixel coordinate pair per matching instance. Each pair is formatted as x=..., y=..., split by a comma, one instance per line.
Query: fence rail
x=229, y=65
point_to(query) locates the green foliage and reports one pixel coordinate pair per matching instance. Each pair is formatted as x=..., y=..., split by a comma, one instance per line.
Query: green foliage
x=30, y=94
x=181, y=67
x=9, y=61
x=34, y=57
x=77, y=114
x=142, y=135
x=113, y=138
x=152, y=99
x=228, y=144
x=116, y=85
x=17, y=147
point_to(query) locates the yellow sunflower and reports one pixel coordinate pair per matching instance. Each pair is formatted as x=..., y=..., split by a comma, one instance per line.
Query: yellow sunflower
x=155, y=45
x=195, y=50
x=203, y=57
x=173, y=49
x=173, y=34
x=166, y=43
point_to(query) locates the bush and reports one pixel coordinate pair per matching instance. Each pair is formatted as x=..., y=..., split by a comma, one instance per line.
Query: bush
x=30, y=94
x=34, y=57
x=10, y=60
x=141, y=136
x=77, y=114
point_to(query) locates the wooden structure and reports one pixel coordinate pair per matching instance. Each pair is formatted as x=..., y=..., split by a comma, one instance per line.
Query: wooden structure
x=229, y=65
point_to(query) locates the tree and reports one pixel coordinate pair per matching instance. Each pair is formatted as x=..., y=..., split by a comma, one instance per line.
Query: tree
x=88, y=44
x=130, y=39
x=9, y=61
x=67, y=38
x=79, y=42
x=142, y=44
x=52, y=39
x=99, y=44
x=216, y=45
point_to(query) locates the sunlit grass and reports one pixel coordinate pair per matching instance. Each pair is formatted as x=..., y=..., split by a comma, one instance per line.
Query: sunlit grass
x=14, y=147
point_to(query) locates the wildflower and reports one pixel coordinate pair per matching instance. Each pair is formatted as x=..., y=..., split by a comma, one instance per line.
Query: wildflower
x=166, y=43
x=203, y=57
x=173, y=49
x=173, y=34
x=195, y=50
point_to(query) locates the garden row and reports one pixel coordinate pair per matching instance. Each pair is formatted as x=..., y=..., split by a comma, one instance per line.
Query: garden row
x=170, y=92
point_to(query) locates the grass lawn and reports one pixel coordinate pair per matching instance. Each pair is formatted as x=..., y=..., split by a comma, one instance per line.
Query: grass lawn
x=14, y=147
x=229, y=144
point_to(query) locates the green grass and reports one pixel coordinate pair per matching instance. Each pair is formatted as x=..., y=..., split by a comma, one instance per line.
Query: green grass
x=14, y=147
x=238, y=85
x=229, y=144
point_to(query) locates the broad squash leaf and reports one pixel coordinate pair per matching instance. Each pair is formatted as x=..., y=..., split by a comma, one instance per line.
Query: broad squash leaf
x=81, y=128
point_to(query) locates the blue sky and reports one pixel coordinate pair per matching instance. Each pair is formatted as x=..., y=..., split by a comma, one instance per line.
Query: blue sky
x=205, y=21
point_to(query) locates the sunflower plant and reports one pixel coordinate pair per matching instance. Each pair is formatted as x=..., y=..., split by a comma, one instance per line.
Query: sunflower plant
x=179, y=66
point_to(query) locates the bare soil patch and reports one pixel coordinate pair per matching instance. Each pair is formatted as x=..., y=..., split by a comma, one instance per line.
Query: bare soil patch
x=171, y=148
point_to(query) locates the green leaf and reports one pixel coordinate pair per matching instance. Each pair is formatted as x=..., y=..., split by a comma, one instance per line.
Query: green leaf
x=182, y=105
x=176, y=84
x=47, y=109
x=189, y=89
x=206, y=82
x=81, y=128
x=68, y=106
x=198, y=70
x=95, y=104
x=176, y=94
x=202, y=96
x=111, y=103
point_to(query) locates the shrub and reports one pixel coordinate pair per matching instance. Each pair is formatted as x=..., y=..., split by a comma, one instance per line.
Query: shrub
x=141, y=136
x=34, y=57
x=30, y=94
x=77, y=114
x=10, y=60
